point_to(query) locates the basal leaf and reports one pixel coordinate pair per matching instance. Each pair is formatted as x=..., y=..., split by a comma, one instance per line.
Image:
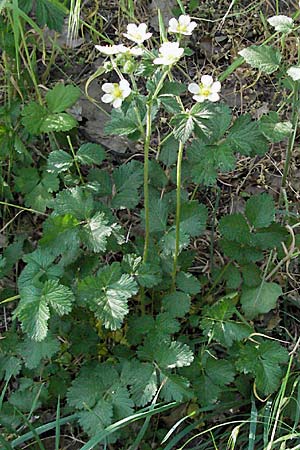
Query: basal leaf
x=59, y=161
x=50, y=14
x=220, y=324
x=246, y=138
x=261, y=299
x=62, y=97
x=58, y=122
x=273, y=128
x=34, y=352
x=107, y=295
x=96, y=231
x=260, y=210
x=33, y=116
x=91, y=154
x=177, y=304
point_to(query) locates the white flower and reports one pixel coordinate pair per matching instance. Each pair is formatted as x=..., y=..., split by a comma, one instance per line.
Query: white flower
x=169, y=53
x=182, y=26
x=207, y=90
x=115, y=92
x=118, y=50
x=137, y=33
x=281, y=23
x=294, y=73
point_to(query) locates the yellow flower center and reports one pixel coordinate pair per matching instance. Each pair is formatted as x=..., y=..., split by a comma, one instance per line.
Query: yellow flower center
x=117, y=93
x=182, y=28
x=205, y=91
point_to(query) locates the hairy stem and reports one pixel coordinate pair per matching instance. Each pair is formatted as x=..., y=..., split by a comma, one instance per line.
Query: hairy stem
x=146, y=176
x=178, y=209
x=291, y=141
x=146, y=162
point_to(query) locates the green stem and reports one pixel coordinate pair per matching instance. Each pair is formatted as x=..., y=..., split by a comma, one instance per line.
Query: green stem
x=146, y=162
x=75, y=159
x=23, y=208
x=10, y=299
x=291, y=142
x=146, y=176
x=178, y=210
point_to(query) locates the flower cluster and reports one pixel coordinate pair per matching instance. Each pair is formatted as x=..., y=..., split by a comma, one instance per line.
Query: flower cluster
x=169, y=53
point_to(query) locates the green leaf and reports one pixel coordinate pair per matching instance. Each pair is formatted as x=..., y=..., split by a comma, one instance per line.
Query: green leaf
x=246, y=138
x=99, y=182
x=263, y=361
x=166, y=355
x=34, y=352
x=75, y=201
x=251, y=275
x=218, y=322
x=61, y=236
x=261, y=299
x=50, y=13
x=58, y=122
x=157, y=176
x=40, y=263
x=217, y=374
x=122, y=124
x=177, y=304
x=235, y=228
x=168, y=241
x=168, y=153
x=127, y=180
x=241, y=252
x=193, y=218
x=260, y=210
x=33, y=312
x=183, y=127
x=91, y=154
x=29, y=395
x=10, y=366
x=100, y=394
x=95, y=232
x=176, y=388
x=59, y=297
x=33, y=308
x=170, y=104
x=96, y=419
x=263, y=57
x=26, y=180
x=158, y=214
x=59, y=161
x=172, y=88
x=33, y=116
x=188, y=283
x=273, y=128
x=62, y=97
x=107, y=295
x=149, y=274
x=143, y=382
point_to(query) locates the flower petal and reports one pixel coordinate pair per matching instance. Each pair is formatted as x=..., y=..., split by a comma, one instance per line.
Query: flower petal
x=216, y=86
x=184, y=20
x=173, y=24
x=213, y=97
x=207, y=80
x=117, y=103
x=132, y=28
x=107, y=87
x=194, y=88
x=199, y=98
x=107, y=98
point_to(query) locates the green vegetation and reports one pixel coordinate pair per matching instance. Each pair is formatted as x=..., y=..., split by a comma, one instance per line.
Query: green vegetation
x=144, y=307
